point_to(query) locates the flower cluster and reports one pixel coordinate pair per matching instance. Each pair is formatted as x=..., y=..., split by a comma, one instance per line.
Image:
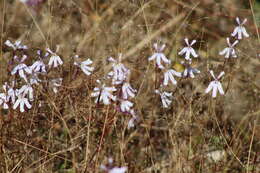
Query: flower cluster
x=239, y=31
x=169, y=73
x=120, y=81
x=115, y=87
x=20, y=93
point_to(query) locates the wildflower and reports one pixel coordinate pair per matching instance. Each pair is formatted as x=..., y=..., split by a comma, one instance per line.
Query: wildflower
x=85, y=66
x=132, y=121
x=24, y=1
x=55, y=83
x=32, y=2
x=26, y=90
x=17, y=45
x=127, y=91
x=240, y=30
x=10, y=92
x=125, y=105
x=34, y=79
x=189, y=71
x=38, y=66
x=21, y=69
x=104, y=94
x=112, y=169
x=4, y=100
x=188, y=50
x=120, y=72
x=55, y=60
x=215, y=85
x=22, y=101
x=165, y=98
x=229, y=51
x=159, y=56
x=169, y=75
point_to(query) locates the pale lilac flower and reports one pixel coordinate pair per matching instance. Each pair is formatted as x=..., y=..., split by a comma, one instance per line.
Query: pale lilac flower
x=189, y=71
x=104, y=94
x=4, y=100
x=32, y=3
x=169, y=75
x=26, y=90
x=11, y=94
x=16, y=45
x=34, y=79
x=84, y=65
x=125, y=106
x=120, y=72
x=166, y=98
x=55, y=83
x=118, y=170
x=38, y=66
x=128, y=91
x=112, y=169
x=24, y=1
x=55, y=60
x=158, y=56
x=21, y=69
x=240, y=30
x=131, y=123
x=229, y=51
x=215, y=85
x=22, y=101
x=188, y=50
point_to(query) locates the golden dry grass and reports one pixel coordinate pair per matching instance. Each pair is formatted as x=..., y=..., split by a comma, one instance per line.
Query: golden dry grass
x=70, y=133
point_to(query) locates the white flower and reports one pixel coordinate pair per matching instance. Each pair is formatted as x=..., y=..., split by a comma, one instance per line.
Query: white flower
x=85, y=66
x=159, y=56
x=126, y=105
x=38, y=66
x=120, y=72
x=215, y=85
x=104, y=94
x=26, y=90
x=34, y=79
x=189, y=72
x=21, y=69
x=216, y=156
x=240, y=30
x=132, y=121
x=9, y=92
x=17, y=45
x=112, y=169
x=55, y=83
x=55, y=60
x=118, y=170
x=169, y=75
x=127, y=91
x=4, y=100
x=22, y=101
x=188, y=50
x=165, y=98
x=24, y=1
x=229, y=51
